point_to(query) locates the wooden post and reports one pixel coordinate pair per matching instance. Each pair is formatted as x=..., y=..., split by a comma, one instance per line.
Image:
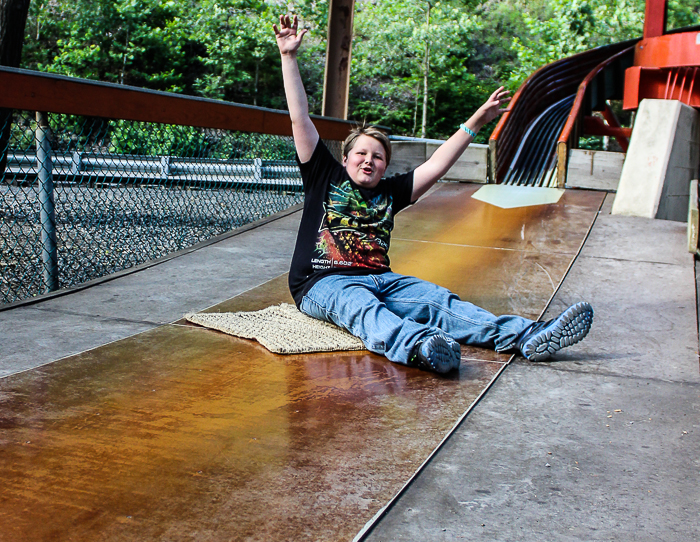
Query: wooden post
x=562, y=163
x=492, y=177
x=336, y=83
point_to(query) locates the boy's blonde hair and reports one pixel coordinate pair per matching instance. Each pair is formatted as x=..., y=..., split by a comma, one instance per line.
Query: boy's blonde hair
x=370, y=131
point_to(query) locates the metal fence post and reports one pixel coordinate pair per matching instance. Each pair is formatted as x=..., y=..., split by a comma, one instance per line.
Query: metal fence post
x=49, y=257
x=164, y=167
x=257, y=170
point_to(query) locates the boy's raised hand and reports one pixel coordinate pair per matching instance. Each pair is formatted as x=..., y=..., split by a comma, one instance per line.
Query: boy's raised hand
x=288, y=40
x=492, y=107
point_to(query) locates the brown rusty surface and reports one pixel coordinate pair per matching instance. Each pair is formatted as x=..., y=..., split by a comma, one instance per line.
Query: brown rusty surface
x=450, y=215
x=502, y=281
x=183, y=433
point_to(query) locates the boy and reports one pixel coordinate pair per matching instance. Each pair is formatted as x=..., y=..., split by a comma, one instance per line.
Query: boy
x=340, y=269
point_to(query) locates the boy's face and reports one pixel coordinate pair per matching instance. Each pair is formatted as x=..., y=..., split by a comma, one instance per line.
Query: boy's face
x=366, y=161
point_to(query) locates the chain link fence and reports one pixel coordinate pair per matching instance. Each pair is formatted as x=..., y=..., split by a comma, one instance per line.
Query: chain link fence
x=81, y=197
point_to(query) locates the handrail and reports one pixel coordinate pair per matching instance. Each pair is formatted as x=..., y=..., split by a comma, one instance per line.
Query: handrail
x=545, y=86
x=576, y=111
x=163, y=177
x=37, y=91
x=582, y=88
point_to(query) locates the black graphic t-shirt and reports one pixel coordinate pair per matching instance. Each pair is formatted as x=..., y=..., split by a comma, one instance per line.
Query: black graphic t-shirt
x=344, y=228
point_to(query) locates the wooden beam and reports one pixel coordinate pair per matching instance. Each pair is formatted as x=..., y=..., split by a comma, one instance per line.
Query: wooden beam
x=336, y=83
x=35, y=91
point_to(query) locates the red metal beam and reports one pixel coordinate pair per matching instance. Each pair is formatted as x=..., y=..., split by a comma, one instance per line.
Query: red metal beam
x=655, y=18
x=671, y=50
x=665, y=65
x=615, y=126
x=596, y=126
x=682, y=84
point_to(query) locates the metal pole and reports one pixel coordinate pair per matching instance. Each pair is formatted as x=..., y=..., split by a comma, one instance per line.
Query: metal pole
x=49, y=257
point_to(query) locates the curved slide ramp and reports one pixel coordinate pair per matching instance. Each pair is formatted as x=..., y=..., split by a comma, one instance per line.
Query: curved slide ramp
x=550, y=111
x=534, y=163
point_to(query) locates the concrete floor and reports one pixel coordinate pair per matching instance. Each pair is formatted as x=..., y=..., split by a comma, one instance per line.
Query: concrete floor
x=601, y=444
x=36, y=334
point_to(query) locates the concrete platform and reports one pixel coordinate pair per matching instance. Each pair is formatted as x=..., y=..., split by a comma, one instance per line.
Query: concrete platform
x=601, y=443
x=150, y=437
x=53, y=329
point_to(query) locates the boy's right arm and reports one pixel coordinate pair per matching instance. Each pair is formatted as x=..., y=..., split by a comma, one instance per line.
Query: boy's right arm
x=305, y=133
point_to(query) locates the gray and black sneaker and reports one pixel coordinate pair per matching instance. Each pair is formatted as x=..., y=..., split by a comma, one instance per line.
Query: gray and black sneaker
x=438, y=353
x=542, y=339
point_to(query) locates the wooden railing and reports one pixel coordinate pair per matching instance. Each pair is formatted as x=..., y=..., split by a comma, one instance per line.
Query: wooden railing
x=114, y=176
x=36, y=91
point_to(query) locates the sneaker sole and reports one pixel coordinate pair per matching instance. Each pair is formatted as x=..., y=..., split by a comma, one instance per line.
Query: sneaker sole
x=457, y=359
x=571, y=326
x=443, y=355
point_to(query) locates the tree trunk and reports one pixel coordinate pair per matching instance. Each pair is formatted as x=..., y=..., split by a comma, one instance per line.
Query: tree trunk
x=415, y=111
x=257, y=75
x=426, y=72
x=13, y=18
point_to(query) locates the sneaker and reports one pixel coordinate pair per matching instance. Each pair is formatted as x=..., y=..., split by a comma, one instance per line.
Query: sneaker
x=542, y=339
x=437, y=353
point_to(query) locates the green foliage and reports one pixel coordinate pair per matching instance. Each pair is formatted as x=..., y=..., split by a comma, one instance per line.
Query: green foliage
x=241, y=54
x=592, y=143
x=388, y=66
x=126, y=137
x=566, y=27
x=137, y=42
x=682, y=13
x=225, y=49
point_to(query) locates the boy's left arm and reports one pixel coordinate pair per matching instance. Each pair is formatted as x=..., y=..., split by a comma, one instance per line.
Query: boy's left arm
x=428, y=173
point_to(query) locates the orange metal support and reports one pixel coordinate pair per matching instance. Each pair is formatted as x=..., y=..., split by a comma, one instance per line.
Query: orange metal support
x=681, y=83
x=666, y=65
x=615, y=126
x=596, y=126
x=671, y=50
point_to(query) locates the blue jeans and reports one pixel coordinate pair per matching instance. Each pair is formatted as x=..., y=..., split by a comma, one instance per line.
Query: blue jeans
x=392, y=312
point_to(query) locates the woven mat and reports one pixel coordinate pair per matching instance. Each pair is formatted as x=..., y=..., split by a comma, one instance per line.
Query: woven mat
x=282, y=329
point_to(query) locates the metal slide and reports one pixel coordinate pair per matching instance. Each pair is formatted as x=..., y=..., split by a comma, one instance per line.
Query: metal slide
x=534, y=163
x=554, y=106
x=525, y=147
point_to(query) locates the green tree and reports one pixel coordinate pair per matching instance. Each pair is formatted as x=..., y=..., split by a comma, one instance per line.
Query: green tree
x=404, y=64
x=568, y=27
x=13, y=17
x=220, y=49
x=682, y=13
x=411, y=60
x=138, y=42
